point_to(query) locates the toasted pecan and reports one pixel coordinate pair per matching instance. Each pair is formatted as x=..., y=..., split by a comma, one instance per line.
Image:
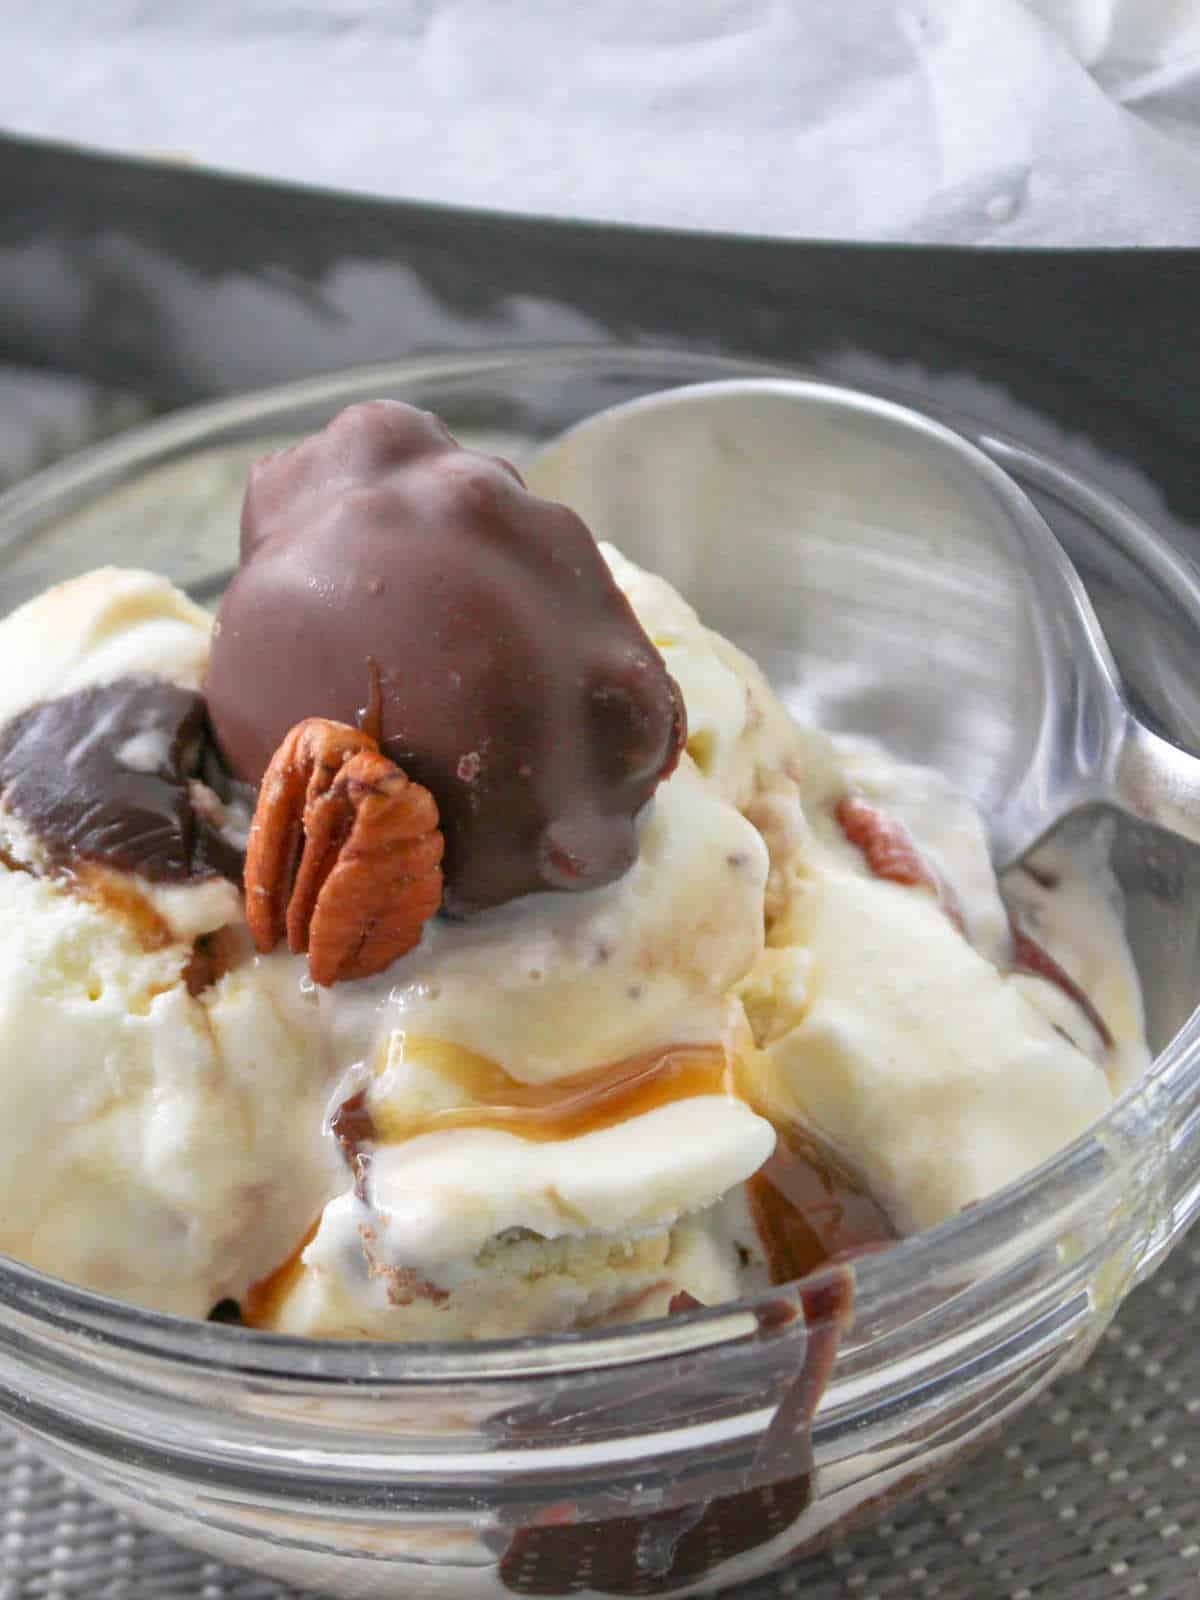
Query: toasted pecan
x=888, y=847
x=891, y=853
x=344, y=854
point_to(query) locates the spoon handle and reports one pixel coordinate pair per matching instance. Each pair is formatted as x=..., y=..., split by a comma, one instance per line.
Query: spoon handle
x=1158, y=782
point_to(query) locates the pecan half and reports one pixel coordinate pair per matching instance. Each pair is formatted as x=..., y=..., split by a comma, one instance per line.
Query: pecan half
x=888, y=847
x=344, y=855
x=892, y=853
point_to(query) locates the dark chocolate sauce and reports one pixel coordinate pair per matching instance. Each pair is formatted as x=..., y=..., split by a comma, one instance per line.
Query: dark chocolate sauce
x=650, y=1554
x=622, y=1554
x=227, y=1311
x=809, y=1208
x=104, y=775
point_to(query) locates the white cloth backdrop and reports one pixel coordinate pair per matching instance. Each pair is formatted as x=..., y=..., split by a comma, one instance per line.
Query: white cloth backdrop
x=1032, y=122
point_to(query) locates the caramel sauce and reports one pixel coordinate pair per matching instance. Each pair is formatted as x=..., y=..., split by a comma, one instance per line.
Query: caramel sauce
x=110, y=892
x=213, y=955
x=586, y=1102
x=370, y=716
x=264, y=1299
x=808, y=1207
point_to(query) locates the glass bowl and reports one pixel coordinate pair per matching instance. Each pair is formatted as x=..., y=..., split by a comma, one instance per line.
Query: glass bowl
x=672, y=1457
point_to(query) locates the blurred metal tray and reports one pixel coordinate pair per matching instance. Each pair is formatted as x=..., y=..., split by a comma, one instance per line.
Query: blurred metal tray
x=183, y=283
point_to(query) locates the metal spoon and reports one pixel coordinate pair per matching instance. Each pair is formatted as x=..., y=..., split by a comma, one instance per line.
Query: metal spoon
x=890, y=579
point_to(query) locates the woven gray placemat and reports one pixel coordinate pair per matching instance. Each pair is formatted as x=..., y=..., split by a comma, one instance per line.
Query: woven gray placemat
x=1092, y=1496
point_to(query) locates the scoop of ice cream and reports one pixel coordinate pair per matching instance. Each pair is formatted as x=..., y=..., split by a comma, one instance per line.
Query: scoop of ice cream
x=929, y=1067
x=534, y=1158
x=388, y=574
x=896, y=1018
x=519, y=1283
x=161, y=1135
x=556, y=984
x=103, y=740
x=111, y=623
x=903, y=1035
x=155, y=1146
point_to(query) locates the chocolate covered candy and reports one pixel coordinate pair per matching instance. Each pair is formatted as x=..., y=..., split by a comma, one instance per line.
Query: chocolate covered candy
x=392, y=578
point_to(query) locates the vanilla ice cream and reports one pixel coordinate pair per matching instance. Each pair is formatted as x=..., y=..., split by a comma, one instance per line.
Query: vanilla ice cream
x=900, y=1032
x=156, y=1144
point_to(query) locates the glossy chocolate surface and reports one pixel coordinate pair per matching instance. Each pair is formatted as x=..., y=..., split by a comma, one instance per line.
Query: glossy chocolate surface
x=105, y=775
x=810, y=1209
x=386, y=573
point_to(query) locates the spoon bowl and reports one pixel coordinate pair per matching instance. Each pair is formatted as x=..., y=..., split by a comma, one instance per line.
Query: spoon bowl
x=902, y=586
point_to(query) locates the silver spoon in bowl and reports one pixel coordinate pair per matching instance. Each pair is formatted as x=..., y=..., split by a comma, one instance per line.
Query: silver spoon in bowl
x=890, y=579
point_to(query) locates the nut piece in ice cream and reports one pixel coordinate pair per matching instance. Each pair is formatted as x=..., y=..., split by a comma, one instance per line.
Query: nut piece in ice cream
x=514, y=680
x=888, y=848
x=344, y=854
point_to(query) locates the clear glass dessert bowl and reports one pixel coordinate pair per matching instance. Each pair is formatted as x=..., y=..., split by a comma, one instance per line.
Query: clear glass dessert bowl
x=671, y=1457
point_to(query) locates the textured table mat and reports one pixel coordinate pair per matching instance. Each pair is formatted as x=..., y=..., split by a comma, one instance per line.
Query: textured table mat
x=1093, y=1495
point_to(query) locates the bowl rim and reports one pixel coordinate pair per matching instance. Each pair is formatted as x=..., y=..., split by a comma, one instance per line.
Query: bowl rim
x=879, y=1280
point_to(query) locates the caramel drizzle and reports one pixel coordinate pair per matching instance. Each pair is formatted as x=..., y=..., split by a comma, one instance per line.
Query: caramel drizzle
x=105, y=887
x=263, y=1300
x=110, y=891
x=585, y=1102
x=370, y=716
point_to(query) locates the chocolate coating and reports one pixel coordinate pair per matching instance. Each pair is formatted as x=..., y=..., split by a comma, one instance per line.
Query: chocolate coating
x=514, y=680
x=103, y=775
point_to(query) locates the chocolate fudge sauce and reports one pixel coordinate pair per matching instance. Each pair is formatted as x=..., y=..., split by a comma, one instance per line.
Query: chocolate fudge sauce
x=105, y=775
